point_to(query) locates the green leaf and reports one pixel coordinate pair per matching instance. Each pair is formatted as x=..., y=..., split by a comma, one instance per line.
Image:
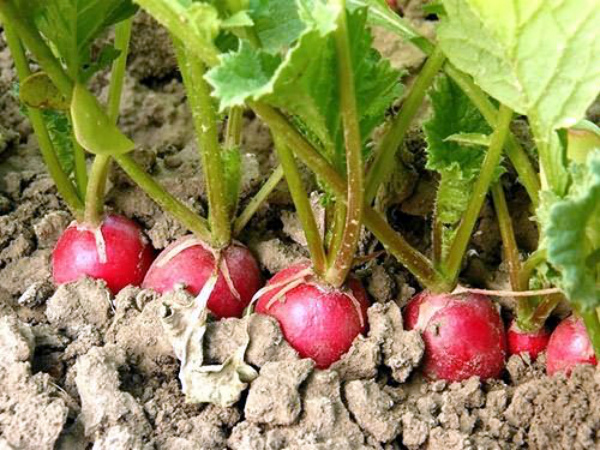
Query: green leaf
x=277, y=23
x=453, y=113
x=381, y=15
x=38, y=91
x=59, y=129
x=582, y=139
x=573, y=235
x=539, y=57
x=457, y=162
x=303, y=81
x=73, y=25
x=108, y=54
x=467, y=139
x=93, y=129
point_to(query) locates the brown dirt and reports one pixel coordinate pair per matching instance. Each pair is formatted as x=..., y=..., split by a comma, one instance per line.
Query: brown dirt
x=82, y=369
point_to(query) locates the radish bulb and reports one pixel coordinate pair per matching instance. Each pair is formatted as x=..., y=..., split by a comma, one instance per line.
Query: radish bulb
x=116, y=252
x=320, y=322
x=190, y=262
x=530, y=343
x=464, y=335
x=569, y=346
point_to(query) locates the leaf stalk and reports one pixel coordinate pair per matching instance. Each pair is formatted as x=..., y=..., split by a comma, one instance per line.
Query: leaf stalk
x=451, y=267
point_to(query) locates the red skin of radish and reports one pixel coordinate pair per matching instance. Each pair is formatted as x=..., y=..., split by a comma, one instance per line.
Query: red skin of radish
x=569, y=346
x=128, y=254
x=464, y=335
x=392, y=4
x=520, y=342
x=193, y=266
x=318, y=321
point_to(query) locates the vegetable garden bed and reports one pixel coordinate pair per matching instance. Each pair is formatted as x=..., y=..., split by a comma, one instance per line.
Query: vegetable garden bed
x=299, y=224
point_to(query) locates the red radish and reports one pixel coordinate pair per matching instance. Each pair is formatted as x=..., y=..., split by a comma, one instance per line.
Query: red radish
x=569, y=346
x=116, y=252
x=190, y=262
x=532, y=343
x=464, y=335
x=318, y=321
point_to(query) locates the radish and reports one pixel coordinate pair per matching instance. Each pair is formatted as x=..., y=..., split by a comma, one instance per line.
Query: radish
x=569, y=346
x=319, y=321
x=116, y=252
x=532, y=343
x=190, y=262
x=463, y=334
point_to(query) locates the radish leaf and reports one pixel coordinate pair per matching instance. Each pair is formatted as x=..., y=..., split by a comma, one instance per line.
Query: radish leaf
x=304, y=82
x=573, y=235
x=276, y=23
x=582, y=139
x=457, y=162
x=93, y=128
x=38, y=91
x=538, y=57
x=73, y=25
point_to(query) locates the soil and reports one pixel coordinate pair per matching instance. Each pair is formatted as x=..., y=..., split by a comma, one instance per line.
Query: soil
x=82, y=369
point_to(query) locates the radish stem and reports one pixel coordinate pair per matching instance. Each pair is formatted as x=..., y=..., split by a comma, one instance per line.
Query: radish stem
x=383, y=164
x=407, y=255
x=166, y=201
x=205, y=122
x=94, y=198
x=233, y=133
x=451, y=266
x=341, y=266
x=257, y=200
x=515, y=152
x=509, y=243
x=303, y=206
x=81, y=178
x=61, y=180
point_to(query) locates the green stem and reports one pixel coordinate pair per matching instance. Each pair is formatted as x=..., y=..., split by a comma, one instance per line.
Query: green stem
x=384, y=164
x=465, y=228
x=407, y=255
x=529, y=266
x=22, y=25
x=117, y=80
x=81, y=177
x=205, y=122
x=61, y=180
x=534, y=318
x=257, y=200
x=303, y=207
x=96, y=188
x=337, y=230
x=233, y=133
x=342, y=264
x=592, y=324
x=509, y=243
x=94, y=197
x=166, y=201
x=515, y=152
x=437, y=231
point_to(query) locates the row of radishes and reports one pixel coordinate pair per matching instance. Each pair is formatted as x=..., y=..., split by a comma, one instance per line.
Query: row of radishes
x=464, y=333
x=322, y=89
